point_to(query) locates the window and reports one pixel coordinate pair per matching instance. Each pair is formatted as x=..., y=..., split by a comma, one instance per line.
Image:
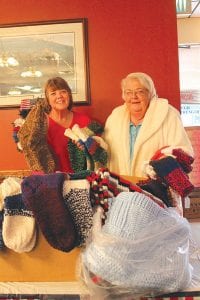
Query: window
x=189, y=71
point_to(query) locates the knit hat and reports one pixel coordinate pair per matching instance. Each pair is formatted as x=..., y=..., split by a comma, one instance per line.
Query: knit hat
x=141, y=247
x=76, y=195
x=19, y=231
x=43, y=195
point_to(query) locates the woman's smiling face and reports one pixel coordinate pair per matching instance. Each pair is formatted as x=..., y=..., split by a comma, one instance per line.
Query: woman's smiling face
x=58, y=99
x=136, y=97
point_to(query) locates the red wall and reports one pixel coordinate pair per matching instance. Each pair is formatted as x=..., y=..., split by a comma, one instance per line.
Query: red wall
x=124, y=36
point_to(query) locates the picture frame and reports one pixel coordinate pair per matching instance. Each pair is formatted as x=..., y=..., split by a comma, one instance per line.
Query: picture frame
x=31, y=53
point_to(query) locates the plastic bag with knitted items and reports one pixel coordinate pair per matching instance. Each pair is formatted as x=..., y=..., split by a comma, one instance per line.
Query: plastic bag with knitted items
x=141, y=250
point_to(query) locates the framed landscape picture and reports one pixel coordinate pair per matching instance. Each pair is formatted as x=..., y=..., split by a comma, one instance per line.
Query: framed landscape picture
x=31, y=53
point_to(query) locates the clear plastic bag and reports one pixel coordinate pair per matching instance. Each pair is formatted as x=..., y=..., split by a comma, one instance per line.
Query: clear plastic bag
x=142, y=250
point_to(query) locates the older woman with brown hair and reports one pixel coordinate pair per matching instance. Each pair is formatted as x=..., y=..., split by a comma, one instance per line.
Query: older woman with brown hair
x=144, y=124
x=46, y=144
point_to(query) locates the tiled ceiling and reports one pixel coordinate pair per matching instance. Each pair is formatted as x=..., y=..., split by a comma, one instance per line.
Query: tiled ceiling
x=194, y=12
x=195, y=9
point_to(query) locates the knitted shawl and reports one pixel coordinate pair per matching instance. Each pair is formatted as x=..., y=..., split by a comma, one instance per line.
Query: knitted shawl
x=33, y=138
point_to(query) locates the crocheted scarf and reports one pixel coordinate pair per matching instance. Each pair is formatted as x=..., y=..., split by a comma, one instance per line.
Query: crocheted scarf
x=33, y=138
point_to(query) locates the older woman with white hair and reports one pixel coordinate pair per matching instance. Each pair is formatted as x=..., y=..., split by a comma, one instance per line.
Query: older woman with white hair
x=145, y=123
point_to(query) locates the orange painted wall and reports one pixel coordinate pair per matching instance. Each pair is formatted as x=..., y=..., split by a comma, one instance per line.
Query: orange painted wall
x=124, y=36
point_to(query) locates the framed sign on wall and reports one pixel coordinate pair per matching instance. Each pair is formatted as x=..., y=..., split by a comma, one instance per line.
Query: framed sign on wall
x=31, y=53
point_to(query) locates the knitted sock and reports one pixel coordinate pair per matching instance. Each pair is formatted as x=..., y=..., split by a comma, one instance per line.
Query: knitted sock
x=19, y=232
x=43, y=195
x=10, y=186
x=169, y=171
x=77, y=198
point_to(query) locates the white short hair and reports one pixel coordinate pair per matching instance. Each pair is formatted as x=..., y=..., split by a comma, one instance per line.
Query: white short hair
x=144, y=79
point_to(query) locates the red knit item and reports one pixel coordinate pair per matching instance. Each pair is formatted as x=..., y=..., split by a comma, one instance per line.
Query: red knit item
x=105, y=184
x=183, y=159
x=169, y=171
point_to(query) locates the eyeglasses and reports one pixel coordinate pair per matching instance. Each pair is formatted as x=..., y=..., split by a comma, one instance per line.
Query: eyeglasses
x=137, y=92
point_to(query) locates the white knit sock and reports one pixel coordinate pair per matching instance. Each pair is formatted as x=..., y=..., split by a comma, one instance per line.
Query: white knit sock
x=18, y=228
